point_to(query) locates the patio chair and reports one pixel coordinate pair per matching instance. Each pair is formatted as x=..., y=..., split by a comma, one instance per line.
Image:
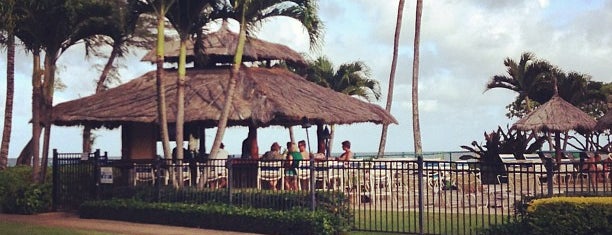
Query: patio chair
x=143, y=173
x=176, y=170
x=303, y=174
x=565, y=172
x=380, y=179
x=270, y=171
x=329, y=173
x=511, y=167
x=214, y=172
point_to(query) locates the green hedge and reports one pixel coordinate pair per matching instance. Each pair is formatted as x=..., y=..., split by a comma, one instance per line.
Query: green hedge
x=214, y=216
x=571, y=215
x=561, y=215
x=19, y=195
x=332, y=202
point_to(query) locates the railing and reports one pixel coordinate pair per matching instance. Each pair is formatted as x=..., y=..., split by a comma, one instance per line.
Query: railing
x=402, y=195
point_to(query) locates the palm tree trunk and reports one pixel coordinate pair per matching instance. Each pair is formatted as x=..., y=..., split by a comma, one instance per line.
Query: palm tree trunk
x=398, y=27
x=332, y=133
x=36, y=106
x=291, y=135
x=418, y=149
x=87, y=141
x=8, y=108
x=231, y=87
x=320, y=140
x=161, y=91
x=252, y=136
x=180, y=105
x=48, y=89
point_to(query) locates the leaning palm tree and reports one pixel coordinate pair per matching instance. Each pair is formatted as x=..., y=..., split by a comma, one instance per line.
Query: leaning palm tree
x=8, y=26
x=353, y=79
x=132, y=30
x=54, y=26
x=396, y=37
x=252, y=14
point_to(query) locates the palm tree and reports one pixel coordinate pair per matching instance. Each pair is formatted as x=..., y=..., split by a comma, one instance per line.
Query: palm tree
x=416, y=126
x=351, y=78
x=251, y=14
x=129, y=32
x=418, y=149
x=187, y=17
x=525, y=78
x=398, y=27
x=8, y=24
x=161, y=7
x=54, y=26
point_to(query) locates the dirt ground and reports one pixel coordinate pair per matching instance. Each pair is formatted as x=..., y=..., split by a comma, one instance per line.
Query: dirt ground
x=69, y=220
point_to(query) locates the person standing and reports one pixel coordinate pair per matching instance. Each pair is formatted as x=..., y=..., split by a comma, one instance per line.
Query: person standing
x=293, y=161
x=302, y=147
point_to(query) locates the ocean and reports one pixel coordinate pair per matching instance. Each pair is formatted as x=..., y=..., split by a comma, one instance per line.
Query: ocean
x=445, y=156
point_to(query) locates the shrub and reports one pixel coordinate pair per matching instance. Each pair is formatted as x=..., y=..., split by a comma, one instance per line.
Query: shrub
x=560, y=215
x=571, y=215
x=214, y=216
x=19, y=195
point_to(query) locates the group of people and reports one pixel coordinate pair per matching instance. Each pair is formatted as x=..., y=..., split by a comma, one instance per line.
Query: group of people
x=296, y=153
x=293, y=154
x=598, y=168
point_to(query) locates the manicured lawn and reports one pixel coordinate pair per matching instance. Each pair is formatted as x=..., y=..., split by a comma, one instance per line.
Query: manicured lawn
x=10, y=228
x=407, y=222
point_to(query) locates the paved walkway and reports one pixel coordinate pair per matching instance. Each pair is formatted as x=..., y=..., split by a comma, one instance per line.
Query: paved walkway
x=69, y=220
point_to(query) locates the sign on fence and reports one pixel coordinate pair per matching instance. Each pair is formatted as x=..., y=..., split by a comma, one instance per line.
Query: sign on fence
x=106, y=175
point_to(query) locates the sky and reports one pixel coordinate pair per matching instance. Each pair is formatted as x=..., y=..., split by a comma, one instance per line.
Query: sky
x=463, y=44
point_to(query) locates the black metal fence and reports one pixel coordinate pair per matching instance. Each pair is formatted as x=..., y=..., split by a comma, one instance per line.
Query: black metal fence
x=401, y=195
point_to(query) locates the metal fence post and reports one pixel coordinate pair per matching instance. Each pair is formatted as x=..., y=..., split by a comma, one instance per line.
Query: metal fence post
x=420, y=179
x=313, y=199
x=229, y=180
x=549, y=175
x=96, y=173
x=55, y=180
x=158, y=177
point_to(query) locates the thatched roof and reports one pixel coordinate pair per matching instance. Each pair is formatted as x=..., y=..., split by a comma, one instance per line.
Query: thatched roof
x=263, y=96
x=556, y=115
x=220, y=47
x=605, y=122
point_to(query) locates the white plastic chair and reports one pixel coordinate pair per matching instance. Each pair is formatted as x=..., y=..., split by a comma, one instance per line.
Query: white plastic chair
x=270, y=171
x=303, y=173
x=380, y=179
x=143, y=173
x=214, y=171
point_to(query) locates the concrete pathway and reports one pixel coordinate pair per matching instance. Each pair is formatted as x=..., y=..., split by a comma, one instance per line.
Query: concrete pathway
x=69, y=220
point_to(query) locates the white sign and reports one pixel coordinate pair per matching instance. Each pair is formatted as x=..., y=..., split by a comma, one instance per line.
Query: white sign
x=106, y=175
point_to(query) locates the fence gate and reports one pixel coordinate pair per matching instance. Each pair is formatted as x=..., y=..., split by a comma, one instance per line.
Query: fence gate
x=74, y=178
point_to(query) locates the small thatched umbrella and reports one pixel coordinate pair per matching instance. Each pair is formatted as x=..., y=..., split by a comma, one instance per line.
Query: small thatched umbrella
x=556, y=115
x=220, y=47
x=605, y=122
x=263, y=97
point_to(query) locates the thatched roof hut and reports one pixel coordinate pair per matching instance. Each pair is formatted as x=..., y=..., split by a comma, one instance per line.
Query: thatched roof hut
x=220, y=47
x=263, y=97
x=556, y=115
